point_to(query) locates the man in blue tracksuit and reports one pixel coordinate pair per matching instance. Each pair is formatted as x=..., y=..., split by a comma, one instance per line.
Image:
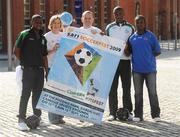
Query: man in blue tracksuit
x=144, y=47
x=120, y=29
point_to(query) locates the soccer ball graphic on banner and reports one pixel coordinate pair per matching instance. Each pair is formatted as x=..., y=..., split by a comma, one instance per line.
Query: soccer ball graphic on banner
x=83, y=57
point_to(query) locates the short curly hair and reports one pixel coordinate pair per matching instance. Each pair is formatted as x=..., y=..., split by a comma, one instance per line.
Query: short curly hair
x=54, y=17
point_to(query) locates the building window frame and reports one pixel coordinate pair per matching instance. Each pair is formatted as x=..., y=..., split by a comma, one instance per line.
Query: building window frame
x=137, y=9
x=27, y=14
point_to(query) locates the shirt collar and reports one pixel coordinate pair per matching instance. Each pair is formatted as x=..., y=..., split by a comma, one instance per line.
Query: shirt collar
x=120, y=23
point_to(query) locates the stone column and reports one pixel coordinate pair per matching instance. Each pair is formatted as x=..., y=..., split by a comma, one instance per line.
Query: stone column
x=156, y=17
x=168, y=19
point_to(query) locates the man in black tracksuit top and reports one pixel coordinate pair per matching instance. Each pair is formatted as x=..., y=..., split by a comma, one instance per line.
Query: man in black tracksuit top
x=120, y=29
x=31, y=50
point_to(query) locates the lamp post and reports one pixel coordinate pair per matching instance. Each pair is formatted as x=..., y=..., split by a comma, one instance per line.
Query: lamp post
x=9, y=36
x=157, y=18
x=175, y=24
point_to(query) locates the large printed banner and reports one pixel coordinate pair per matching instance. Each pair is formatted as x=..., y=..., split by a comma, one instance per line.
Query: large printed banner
x=81, y=75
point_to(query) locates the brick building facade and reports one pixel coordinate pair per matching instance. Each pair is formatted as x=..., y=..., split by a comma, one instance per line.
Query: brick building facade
x=160, y=14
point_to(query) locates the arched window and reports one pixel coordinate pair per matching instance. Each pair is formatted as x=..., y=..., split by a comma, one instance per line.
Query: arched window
x=42, y=12
x=137, y=9
x=26, y=14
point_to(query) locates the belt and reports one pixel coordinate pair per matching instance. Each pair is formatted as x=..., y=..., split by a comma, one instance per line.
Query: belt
x=32, y=67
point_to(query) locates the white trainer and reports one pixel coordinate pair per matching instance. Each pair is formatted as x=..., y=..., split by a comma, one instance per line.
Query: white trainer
x=136, y=119
x=130, y=118
x=42, y=123
x=22, y=126
x=111, y=118
x=157, y=119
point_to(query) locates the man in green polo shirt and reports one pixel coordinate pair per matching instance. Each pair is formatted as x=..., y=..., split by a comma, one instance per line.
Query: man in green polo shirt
x=31, y=50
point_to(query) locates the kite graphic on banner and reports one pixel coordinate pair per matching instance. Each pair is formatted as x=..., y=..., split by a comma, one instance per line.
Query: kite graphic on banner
x=83, y=60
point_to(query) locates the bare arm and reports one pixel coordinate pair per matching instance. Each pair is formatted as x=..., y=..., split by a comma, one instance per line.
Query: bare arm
x=45, y=63
x=17, y=52
x=127, y=50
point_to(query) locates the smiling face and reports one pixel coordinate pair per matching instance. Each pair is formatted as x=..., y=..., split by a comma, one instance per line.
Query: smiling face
x=140, y=24
x=87, y=19
x=56, y=25
x=118, y=15
x=37, y=23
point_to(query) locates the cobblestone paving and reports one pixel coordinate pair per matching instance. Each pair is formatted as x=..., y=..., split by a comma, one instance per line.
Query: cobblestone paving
x=168, y=87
